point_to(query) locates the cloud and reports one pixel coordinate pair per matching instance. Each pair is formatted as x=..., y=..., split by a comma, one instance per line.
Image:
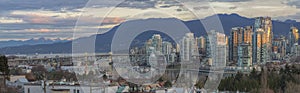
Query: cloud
x=294, y=3
x=289, y=17
x=43, y=30
x=230, y=0
x=50, y=24
x=9, y=20
x=91, y=21
x=142, y=4
x=7, y=5
x=56, y=18
x=72, y=5
x=22, y=34
x=37, y=19
x=255, y=8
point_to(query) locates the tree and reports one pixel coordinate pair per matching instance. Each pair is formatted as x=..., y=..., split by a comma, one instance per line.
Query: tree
x=39, y=72
x=168, y=84
x=30, y=77
x=292, y=88
x=71, y=76
x=104, y=77
x=239, y=76
x=4, y=71
x=199, y=84
x=254, y=74
x=160, y=79
x=56, y=75
x=4, y=66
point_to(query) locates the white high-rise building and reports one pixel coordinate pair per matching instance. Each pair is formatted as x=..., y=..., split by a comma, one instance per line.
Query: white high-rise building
x=157, y=42
x=188, y=47
x=167, y=48
x=216, y=49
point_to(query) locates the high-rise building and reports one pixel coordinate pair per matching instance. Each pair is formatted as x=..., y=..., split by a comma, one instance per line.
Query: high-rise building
x=262, y=40
x=236, y=39
x=261, y=52
x=245, y=55
x=293, y=37
x=265, y=23
x=201, y=44
x=279, y=48
x=247, y=35
x=284, y=45
x=153, y=45
x=173, y=56
x=276, y=47
x=227, y=48
x=167, y=48
x=239, y=36
x=188, y=47
x=157, y=42
x=295, y=50
x=177, y=48
x=148, y=47
x=216, y=48
x=208, y=46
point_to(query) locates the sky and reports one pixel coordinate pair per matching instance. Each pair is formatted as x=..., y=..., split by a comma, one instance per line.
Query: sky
x=26, y=19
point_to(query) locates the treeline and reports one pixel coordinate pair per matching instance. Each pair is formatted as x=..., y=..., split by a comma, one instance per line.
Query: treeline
x=267, y=81
x=41, y=73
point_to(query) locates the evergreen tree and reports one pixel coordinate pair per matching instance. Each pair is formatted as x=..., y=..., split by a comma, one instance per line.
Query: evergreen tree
x=4, y=72
x=168, y=84
x=4, y=66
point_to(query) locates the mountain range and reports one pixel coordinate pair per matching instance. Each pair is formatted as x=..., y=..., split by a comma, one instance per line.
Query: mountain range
x=32, y=41
x=103, y=41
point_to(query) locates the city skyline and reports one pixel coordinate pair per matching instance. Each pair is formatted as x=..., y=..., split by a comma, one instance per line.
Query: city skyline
x=149, y=46
x=246, y=46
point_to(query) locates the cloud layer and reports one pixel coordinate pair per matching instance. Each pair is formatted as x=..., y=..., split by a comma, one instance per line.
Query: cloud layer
x=27, y=19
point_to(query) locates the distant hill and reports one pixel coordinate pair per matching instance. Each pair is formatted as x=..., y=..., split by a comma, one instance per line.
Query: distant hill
x=32, y=41
x=103, y=41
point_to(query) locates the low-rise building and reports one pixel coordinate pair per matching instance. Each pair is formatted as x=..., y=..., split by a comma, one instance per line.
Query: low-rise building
x=38, y=88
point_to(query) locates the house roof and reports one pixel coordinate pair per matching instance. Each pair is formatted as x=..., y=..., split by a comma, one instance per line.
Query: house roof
x=23, y=80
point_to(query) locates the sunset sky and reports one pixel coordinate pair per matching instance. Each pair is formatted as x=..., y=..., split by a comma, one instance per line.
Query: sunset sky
x=26, y=19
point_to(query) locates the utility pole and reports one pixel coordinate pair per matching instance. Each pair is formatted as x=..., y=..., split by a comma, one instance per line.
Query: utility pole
x=44, y=83
x=90, y=88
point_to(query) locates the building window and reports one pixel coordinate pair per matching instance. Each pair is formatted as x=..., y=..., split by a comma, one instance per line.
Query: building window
x=77, y=91
x=28, y=90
